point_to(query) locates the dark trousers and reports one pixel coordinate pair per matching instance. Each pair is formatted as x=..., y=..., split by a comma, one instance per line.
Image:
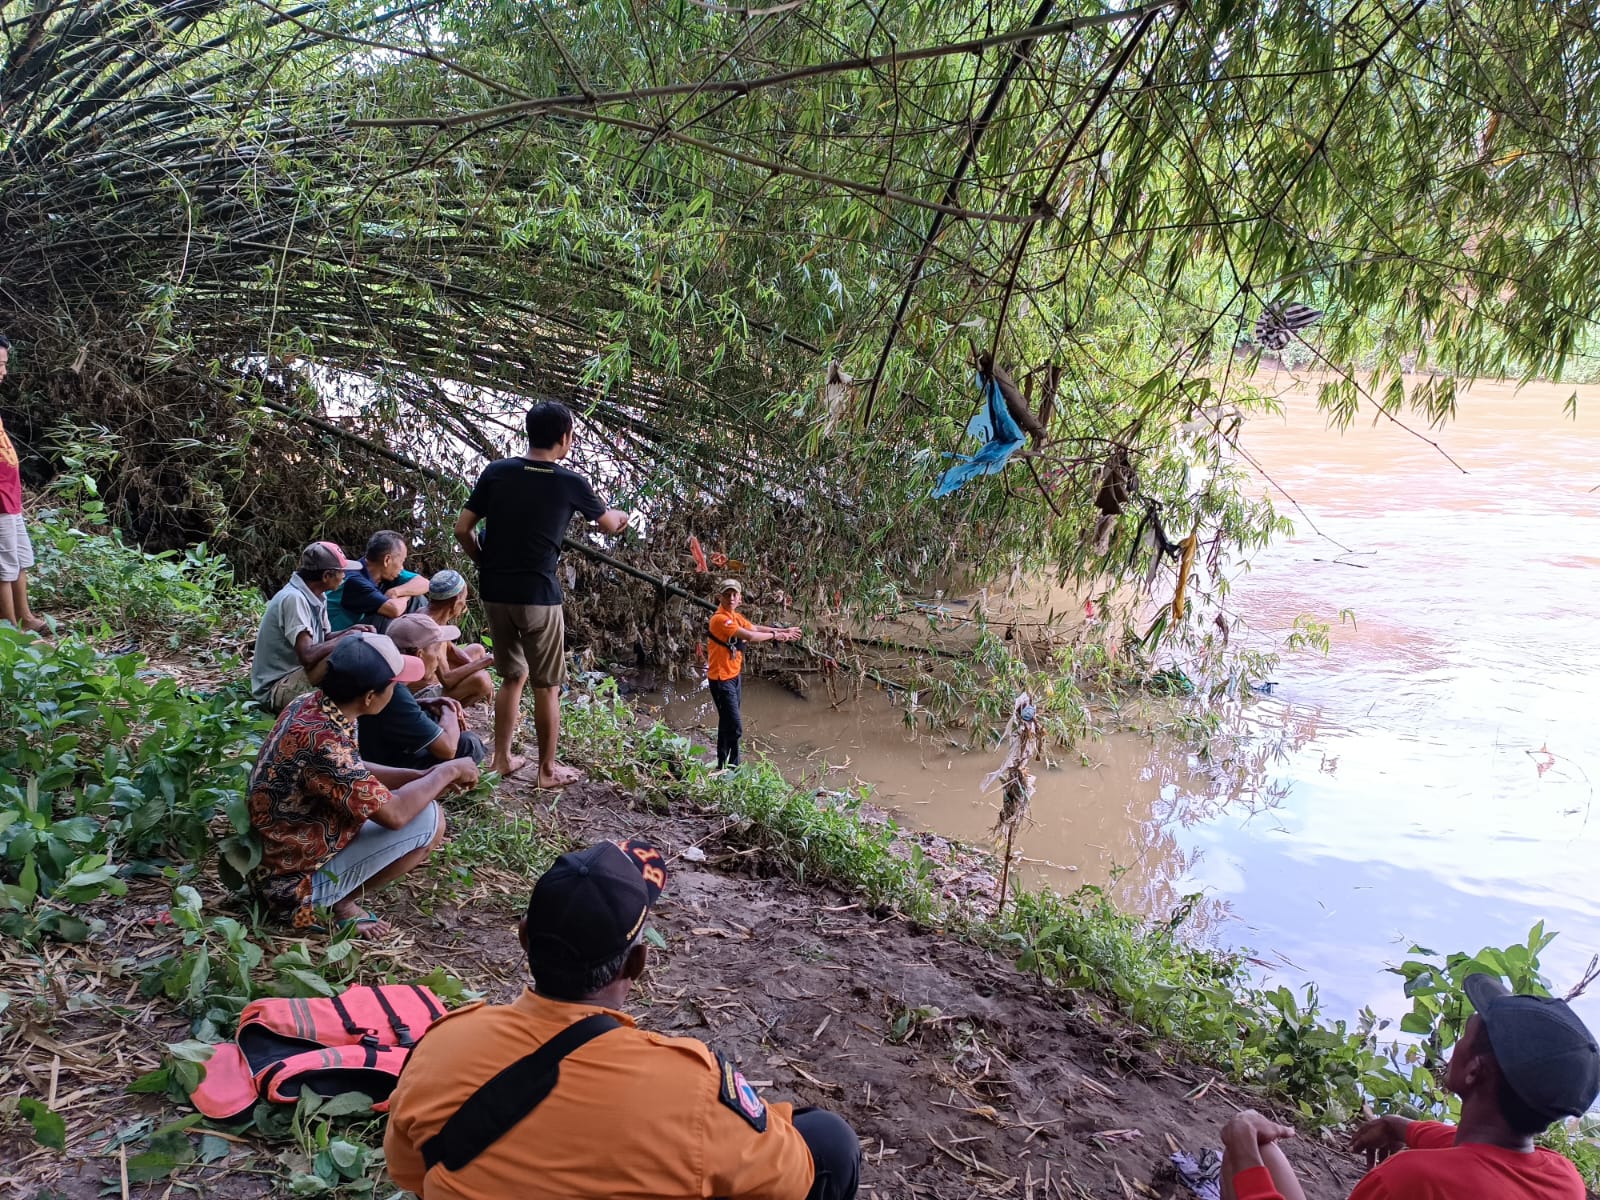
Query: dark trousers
x=470, y=745
x=835, y=1153
x=725, y=695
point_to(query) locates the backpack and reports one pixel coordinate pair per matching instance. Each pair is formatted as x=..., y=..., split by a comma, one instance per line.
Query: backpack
x=356, y=1041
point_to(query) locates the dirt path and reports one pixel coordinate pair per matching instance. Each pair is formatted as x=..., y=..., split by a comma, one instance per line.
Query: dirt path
x=963, y=1077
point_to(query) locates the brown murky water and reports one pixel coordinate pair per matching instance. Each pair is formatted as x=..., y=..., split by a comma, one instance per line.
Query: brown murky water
x=1431, y=780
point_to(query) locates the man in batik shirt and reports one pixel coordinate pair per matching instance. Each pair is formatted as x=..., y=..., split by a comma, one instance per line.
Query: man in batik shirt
x=333, y=827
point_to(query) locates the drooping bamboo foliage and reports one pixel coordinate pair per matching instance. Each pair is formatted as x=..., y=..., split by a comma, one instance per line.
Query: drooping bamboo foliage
x=405, y=220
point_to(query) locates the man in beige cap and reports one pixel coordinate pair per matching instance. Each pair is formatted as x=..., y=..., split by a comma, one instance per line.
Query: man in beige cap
x=725, y=659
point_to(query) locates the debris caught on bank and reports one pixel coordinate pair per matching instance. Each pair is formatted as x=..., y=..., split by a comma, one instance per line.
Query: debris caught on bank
x=1278, y=321
x=1016, y=780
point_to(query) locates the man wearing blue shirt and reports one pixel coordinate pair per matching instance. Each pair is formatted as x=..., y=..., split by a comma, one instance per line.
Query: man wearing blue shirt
x=382, y=589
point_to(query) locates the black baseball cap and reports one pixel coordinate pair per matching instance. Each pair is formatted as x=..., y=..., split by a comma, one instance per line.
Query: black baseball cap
x=369, y=662
x=591, y=905
x=1547, y=1056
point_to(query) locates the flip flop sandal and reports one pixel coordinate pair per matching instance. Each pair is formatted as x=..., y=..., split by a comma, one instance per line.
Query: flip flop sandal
x=350, y=924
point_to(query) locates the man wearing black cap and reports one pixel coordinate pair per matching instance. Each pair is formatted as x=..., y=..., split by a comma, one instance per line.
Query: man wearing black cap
x=332, y=827
x=1523, y=1063
x=560, y=1096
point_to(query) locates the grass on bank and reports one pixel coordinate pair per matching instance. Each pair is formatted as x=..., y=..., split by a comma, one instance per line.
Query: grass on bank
x=122, y=784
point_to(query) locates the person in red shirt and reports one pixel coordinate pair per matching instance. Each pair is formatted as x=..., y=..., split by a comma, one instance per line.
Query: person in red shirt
x=1523, y=1063
x=16, y=548
x=725, y=659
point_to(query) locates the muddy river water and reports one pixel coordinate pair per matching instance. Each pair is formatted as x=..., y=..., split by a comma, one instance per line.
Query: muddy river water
x=1430, y=780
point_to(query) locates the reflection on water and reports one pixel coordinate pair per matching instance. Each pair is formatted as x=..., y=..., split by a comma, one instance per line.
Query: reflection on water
x=1431, y=780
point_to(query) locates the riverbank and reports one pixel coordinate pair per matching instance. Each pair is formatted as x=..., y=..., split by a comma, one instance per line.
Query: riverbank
x=841, y=959
x=962, y=1075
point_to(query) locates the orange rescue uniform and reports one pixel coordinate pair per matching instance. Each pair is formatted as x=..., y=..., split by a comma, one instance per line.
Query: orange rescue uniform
x=721, y=663
x=634, y=1116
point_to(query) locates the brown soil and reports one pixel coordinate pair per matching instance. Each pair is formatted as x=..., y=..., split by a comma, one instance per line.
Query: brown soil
x=963, y=1077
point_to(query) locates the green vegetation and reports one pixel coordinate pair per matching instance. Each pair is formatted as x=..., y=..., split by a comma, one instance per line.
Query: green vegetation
x=119, y=779
x=279, y=270
x=110, y=767
x=683, y=219
x=1201, y=1001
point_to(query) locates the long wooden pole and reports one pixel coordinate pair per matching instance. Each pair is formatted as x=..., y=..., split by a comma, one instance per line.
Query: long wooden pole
x=1005, y=868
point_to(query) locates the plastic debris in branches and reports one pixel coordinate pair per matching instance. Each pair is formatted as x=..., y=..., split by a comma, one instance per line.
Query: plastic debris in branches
x=996, y=428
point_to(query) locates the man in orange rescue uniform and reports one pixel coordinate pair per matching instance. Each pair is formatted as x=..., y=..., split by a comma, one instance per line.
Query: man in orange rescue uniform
x=1523, y=1063
x=730, y=630
x=560, y=1096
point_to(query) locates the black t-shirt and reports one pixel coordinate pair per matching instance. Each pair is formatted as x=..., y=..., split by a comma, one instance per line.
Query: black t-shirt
x=400, y=734
x=526, y=508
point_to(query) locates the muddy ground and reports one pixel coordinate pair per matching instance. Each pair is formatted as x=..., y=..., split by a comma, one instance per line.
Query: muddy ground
x=963, y=1077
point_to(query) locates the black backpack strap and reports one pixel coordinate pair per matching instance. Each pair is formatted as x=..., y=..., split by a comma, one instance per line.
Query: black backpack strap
x=734, y=647
x=498, y=1106
x=434, y=1011
x=350, y=1027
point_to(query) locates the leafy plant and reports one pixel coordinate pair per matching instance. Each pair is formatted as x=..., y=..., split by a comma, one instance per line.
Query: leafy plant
x=86, y=569
x=109, y=768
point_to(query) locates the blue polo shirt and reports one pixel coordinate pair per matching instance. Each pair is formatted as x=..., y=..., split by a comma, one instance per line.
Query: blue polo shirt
x=358, y=601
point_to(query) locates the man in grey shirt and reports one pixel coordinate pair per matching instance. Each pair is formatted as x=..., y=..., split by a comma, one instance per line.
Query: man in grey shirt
x=294, y=641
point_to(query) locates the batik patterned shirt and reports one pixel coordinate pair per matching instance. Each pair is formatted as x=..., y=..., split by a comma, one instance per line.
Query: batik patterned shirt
x=310, y=793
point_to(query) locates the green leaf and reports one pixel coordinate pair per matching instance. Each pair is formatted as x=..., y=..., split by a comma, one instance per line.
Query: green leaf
x=311, y=984
x=49, y=1128
x=152, y=1083
x=1416, y=1022
x=192, y=1050
x=346, y=1104
x=154, y=1164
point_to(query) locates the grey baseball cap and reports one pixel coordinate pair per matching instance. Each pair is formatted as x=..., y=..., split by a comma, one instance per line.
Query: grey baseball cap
x=1546, y=1054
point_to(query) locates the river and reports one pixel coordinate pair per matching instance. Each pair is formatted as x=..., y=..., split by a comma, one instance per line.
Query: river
x=1430, y=780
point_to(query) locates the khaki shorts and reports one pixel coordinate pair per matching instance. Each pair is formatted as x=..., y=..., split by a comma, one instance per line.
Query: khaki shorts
x=530, y=640
x=286, y=689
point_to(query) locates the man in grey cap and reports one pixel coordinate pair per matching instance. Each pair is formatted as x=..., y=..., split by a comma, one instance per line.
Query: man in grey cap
x=295, y=639
x=1522, y=1064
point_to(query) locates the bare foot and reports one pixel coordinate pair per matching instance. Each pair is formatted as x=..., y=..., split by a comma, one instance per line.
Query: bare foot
x=360, y=922
x=558, y=776
x=503, y=769
x=36, y=625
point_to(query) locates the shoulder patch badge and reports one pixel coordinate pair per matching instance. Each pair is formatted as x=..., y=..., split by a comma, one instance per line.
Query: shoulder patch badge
x=737, y=1094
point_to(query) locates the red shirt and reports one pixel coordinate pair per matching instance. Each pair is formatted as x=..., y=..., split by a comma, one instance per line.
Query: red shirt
x=10, y=476
x=1433, y=1167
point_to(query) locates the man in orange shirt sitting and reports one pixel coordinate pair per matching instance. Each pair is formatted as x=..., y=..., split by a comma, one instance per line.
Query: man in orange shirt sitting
x=730, y=629
x=1523, y=1063
x=560, y=1096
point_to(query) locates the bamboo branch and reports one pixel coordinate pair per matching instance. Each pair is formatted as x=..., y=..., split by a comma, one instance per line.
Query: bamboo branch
x=743, y=87
x=975, y=133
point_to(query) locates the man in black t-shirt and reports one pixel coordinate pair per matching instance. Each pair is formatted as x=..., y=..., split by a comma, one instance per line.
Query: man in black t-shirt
x=526, y=505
